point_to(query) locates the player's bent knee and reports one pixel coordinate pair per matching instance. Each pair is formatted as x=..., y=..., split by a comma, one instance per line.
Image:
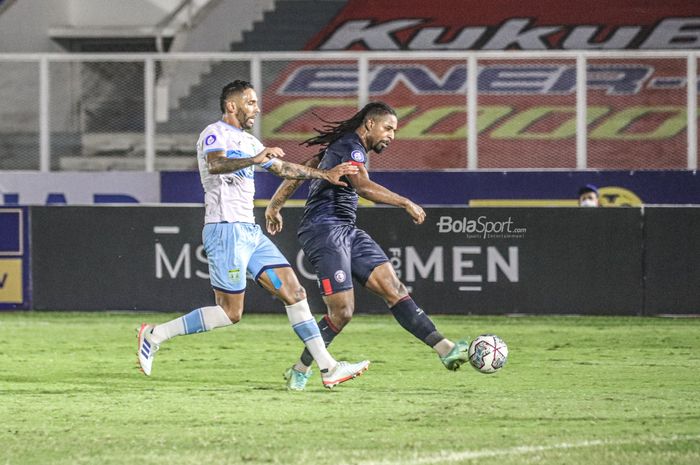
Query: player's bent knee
x=233, y=314
x=390, y=290
x=384, y=282
x=342, y=314
x=283, y=284
x=395, y=293
x=292, y=295
x=299, y=294
x=341, y=306
x=231, y=305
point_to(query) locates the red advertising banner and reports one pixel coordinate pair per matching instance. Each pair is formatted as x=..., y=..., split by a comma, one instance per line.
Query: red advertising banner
x=636, y=107
x=526, y=111
x=512, y=25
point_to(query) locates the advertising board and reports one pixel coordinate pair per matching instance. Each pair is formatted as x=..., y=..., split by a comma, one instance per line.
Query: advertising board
x=636, y=108
x=15, y=279
x=461, y=260
x=78, y=188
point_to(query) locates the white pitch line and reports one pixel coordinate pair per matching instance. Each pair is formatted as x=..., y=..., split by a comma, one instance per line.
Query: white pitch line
x=520, y=450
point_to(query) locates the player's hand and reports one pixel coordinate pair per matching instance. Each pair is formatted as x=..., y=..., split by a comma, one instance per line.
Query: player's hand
x=273, y=220
x=334, y=174
x=416, y=212
x=267, y=154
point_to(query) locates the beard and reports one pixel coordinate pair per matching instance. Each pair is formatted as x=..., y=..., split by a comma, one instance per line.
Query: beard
x=245, y=120
x=380, y=146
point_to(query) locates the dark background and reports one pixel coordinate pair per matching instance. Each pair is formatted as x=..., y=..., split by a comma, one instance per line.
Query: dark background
x=623, y=261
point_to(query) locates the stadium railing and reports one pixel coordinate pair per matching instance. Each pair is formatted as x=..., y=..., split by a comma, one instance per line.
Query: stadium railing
x=457, y=110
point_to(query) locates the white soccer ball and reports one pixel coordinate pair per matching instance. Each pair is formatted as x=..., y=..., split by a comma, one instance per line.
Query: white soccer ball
x=488, y=353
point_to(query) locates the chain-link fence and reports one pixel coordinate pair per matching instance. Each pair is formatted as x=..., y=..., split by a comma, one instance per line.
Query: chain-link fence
x=19, y=115
x=602, y=110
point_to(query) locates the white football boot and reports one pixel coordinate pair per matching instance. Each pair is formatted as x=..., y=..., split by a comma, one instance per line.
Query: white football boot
x=342, y=372
x=147, y=348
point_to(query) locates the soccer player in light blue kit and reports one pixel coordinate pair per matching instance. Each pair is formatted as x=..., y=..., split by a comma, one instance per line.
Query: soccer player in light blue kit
x=235, y=246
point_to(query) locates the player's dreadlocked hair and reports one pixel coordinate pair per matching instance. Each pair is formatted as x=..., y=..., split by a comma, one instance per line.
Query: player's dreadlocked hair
x=230, y=89
x=333, y=130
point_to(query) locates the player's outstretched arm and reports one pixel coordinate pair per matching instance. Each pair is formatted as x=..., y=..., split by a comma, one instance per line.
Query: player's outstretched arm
x=288, y=170
x=370, y=190
x=273, y=217
x=218, y=163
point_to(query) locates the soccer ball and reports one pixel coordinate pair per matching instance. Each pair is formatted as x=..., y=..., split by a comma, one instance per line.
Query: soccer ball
x=488, y=353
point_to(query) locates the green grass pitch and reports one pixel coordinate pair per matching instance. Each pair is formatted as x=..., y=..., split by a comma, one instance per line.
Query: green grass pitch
x=576, y=390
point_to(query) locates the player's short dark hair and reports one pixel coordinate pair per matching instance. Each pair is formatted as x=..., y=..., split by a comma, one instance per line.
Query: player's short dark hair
x=230, y=89
x=588, y=188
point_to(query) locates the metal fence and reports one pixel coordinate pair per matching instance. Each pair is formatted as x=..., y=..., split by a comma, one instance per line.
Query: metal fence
x=457, y=110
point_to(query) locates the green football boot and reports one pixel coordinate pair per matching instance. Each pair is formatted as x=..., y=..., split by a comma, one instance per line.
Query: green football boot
x=296, y=380
x=457, y=356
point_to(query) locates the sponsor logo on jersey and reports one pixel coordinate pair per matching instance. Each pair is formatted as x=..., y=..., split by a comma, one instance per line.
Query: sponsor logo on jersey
x=210, y=139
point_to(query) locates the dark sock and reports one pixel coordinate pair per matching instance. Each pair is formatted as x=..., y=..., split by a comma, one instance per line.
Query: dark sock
x=415, y=321
x=328, y=333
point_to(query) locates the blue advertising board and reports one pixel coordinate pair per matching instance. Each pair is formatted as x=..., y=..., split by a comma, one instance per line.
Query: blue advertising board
x=489, y=188
x=14, y=258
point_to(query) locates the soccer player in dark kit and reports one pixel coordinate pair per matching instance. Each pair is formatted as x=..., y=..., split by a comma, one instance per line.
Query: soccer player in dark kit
x=339, y=251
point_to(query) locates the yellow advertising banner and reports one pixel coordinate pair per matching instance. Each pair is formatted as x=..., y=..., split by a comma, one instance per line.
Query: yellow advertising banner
x=11, y=281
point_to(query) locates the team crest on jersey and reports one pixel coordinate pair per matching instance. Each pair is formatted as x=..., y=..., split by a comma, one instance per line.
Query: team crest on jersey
x=234, y=275
x=339, y=276
x=357, y=155
x=210, y=139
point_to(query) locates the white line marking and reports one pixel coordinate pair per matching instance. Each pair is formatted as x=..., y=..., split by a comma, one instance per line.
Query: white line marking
x=469, y=288
x=166, y=229
x=445, y=457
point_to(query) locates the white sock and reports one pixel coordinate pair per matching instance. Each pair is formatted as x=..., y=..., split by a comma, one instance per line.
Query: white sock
x=197, y=321
x=305, y=326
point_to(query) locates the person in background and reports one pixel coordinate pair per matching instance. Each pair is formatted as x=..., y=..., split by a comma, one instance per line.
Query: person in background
x=588, y=196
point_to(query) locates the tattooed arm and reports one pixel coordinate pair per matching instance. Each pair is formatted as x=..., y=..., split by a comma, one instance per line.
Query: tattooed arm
x=288, y=170
x=218, y=163
x=273, y=217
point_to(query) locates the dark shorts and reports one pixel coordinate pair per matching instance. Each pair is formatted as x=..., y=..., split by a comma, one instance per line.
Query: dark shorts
x=340, y=253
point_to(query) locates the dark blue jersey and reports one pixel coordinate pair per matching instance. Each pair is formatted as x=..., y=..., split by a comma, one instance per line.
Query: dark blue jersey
x=327, y=203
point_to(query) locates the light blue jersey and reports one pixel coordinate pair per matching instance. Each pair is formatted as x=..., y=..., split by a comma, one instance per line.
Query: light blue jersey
x=236, y=247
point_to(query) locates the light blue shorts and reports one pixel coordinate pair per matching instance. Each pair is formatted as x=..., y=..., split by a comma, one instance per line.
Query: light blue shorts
x=237, y=251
